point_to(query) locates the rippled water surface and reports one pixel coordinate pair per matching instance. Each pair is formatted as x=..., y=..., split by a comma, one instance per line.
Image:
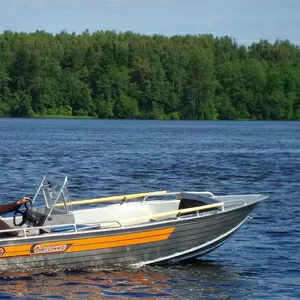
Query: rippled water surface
x=261, y=261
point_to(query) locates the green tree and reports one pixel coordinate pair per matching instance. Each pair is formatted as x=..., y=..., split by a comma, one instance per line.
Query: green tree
x=126, y=75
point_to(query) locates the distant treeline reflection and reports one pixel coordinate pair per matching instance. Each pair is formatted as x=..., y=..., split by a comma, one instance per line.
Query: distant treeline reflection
x=128, y=75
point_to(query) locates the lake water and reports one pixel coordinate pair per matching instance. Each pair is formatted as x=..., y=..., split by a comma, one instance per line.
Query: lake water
x=107, y=157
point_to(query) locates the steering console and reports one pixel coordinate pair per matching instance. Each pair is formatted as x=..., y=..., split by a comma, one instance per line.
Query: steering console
x=28, y=215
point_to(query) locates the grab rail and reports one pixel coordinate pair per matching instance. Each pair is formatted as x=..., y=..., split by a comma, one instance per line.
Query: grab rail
x=177, y=213
x=73, y=226
x=159, y=194
x=178, y=193
x=201, y=193
x=111, y=198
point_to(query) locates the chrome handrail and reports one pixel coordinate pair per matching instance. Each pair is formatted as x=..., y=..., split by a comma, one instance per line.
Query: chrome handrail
x=75, y=228
x=159, y=194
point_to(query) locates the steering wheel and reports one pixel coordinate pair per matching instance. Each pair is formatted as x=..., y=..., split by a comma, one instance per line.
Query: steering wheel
x=23, y=210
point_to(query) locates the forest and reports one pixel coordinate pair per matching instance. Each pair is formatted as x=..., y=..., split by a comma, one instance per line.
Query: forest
x=126, y=75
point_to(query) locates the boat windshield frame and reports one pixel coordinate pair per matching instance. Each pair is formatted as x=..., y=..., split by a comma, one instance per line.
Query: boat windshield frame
x=53, y=190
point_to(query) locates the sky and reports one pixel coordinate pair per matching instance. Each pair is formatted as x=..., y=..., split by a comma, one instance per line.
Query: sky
x=247, y=21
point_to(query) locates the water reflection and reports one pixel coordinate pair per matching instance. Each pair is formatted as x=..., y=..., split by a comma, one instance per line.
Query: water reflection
x=202, y=280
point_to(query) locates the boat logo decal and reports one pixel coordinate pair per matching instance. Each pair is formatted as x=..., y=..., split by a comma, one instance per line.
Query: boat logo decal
x=2, y=251
x=41, y=249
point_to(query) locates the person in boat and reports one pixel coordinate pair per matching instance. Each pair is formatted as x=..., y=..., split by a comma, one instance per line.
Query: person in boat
x=6, y=208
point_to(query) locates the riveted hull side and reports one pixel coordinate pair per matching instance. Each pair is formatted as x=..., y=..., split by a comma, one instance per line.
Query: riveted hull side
x=154, y=242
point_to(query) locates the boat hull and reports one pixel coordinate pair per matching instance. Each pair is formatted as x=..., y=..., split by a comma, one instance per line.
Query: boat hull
x=152, y=243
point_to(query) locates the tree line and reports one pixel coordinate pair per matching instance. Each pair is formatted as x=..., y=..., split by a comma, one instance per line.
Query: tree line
x=126, y=75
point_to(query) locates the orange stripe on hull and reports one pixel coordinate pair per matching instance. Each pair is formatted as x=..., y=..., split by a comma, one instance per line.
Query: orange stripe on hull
x=86, y=244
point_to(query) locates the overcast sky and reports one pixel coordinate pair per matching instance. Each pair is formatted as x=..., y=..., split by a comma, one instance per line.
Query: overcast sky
x=245, y=20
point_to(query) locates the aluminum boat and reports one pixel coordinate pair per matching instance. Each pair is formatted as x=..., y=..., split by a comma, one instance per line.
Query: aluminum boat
x=133, y=230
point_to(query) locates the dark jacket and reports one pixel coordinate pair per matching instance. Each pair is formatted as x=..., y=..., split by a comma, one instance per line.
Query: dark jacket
x=5, y=208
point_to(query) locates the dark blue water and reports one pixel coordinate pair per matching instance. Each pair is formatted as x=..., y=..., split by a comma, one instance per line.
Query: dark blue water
x=261, y=261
